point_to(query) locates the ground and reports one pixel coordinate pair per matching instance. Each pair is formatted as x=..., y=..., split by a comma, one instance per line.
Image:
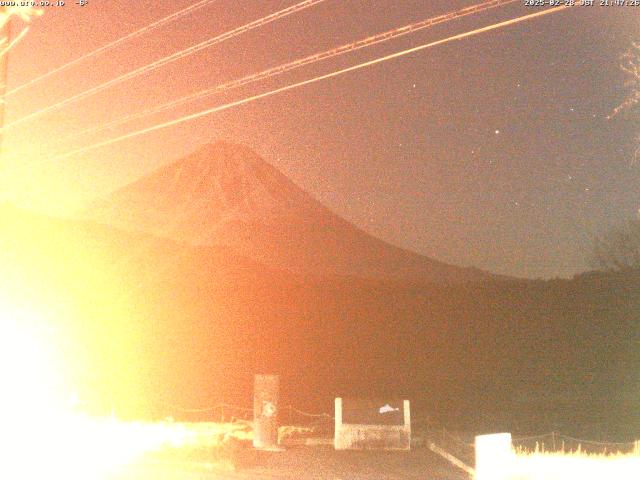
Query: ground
x=304, y=462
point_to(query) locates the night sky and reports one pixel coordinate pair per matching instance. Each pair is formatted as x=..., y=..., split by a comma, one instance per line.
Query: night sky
x=492, y=151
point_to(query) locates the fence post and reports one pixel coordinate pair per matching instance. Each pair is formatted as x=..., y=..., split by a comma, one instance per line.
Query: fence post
x=337, y=432
x=407, y=413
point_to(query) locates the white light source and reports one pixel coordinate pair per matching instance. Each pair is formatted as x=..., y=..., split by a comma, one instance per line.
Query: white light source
x=494, y=457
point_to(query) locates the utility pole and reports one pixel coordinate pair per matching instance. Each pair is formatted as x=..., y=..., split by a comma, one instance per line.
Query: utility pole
x=4, y=67
x=5, y=33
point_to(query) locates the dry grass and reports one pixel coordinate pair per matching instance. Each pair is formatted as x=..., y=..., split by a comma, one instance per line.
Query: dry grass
x=541, y=465
x=209, y=446
x=290, y=432
x=551, y=466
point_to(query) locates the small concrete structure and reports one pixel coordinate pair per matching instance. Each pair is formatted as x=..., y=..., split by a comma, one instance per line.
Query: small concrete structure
x=371, y=425
x=494, y=457
x=265, y=411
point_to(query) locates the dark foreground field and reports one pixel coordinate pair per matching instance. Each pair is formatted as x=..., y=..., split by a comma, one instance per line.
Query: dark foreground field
x=321, y=462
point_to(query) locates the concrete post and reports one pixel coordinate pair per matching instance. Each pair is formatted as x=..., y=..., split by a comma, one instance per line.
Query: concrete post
x=265, y=411
x=407, y=415
x=494, y=457
x=338, y=424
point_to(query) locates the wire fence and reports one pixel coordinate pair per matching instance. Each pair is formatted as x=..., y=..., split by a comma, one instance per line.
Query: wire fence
x=226, y=412
x=459, y=444
x=558, y=442
x=463, y=443
x=221, y=412
x=315, y=424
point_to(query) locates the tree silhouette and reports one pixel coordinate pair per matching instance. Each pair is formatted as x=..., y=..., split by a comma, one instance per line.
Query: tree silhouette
x=630, y=66
x=619, y=248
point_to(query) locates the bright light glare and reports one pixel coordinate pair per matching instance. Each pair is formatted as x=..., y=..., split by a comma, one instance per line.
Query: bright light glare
x=497, y=460
x=31, y=378
x=561, y=466
x=40, y=435
x=22, y=12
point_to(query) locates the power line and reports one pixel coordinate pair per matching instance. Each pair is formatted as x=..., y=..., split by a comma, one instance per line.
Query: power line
x=289, y=87
x=13, y=42
x=273, y=17
x=310, y=59
x=169, y=59
x=115, y=43
x=316, y=79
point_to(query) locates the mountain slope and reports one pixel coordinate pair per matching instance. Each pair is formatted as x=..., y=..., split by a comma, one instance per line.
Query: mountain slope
x=225, y=194
x=153, y=327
